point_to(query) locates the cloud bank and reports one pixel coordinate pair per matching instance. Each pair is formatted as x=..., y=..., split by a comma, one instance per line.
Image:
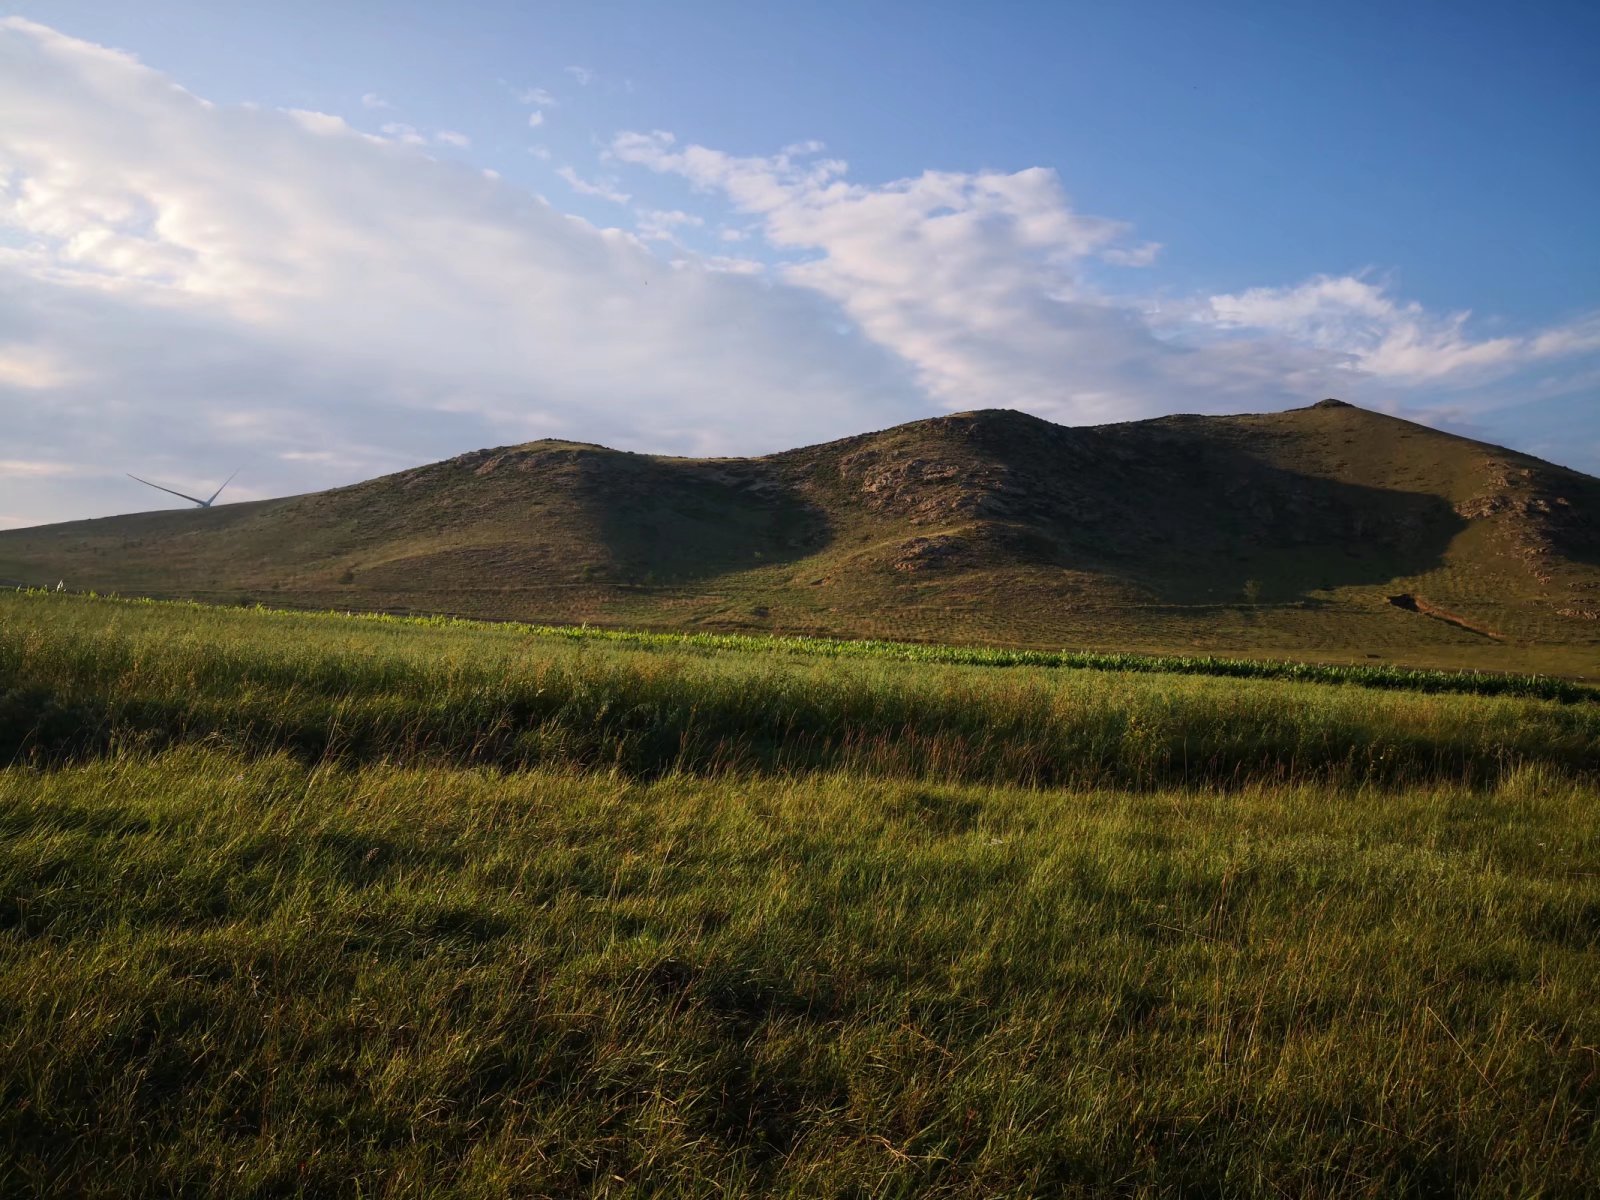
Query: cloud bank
x=997, y=292
x=186, y=288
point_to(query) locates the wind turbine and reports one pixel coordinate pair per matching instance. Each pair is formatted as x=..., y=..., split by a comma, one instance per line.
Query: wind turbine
x=182, y=495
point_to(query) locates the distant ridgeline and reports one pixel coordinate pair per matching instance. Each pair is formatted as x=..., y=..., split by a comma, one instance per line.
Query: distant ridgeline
x=1327, y=533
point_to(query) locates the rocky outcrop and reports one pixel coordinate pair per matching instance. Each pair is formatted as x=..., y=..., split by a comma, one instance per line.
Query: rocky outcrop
x=1541, y=520
x=928, y=553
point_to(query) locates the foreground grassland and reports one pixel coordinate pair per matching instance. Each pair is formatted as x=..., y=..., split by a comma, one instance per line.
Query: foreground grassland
x=301, y=906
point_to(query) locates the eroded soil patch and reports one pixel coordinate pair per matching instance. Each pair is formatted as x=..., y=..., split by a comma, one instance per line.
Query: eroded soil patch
x=1417, y=604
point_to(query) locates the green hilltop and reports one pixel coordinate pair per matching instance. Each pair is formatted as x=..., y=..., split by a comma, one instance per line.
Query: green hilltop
x=1327, y=533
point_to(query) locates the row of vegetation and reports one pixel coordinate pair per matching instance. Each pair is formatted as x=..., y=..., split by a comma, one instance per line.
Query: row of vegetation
x=1381, y=676
x=83, y=677
x=1477, y=683
x=292, y=905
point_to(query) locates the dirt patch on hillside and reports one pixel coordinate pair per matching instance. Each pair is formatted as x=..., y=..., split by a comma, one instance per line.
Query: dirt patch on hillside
x=1418, y=605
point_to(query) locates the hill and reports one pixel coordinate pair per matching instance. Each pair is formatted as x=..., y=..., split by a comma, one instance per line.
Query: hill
x=1327, y=532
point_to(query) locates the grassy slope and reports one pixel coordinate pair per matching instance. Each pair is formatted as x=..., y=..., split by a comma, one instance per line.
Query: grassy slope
x=987, y=528
x=834, y=953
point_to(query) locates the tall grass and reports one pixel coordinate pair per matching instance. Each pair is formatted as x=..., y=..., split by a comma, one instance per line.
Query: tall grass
x=232, y=977
x=76, y=681
x=1467, y=682
x=304, y=906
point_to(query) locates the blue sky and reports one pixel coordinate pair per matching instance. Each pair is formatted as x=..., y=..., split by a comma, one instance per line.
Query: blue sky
x=852, y=215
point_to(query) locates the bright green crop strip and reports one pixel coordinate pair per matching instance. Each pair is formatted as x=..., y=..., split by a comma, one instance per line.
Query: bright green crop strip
x=1541, y=687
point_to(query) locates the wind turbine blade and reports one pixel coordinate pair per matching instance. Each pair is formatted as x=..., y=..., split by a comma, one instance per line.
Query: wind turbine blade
x=168, y=491
x=218, y=492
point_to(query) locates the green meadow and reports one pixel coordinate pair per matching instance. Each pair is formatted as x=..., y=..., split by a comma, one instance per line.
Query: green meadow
x=313, y=905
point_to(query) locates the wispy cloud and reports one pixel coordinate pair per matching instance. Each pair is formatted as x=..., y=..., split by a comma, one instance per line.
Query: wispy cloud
x=401, y=132
x=397, y=131
x=976, y=280
x=372, y=100
x=37, y=469
x=583, y=75
x=993, y=287
x=1360, y=321
x=663, y=225
x=605, y=189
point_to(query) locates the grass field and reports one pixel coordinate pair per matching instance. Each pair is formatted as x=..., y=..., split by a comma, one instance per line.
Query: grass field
x=300, y=905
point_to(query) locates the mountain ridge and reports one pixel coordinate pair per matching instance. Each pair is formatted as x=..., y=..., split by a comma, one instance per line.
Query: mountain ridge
x=1275, y=532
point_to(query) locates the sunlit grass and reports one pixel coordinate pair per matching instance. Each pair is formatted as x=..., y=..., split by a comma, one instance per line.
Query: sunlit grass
x=253, y=978
x=305, y=905
x=86, y=676
x=1473, y=682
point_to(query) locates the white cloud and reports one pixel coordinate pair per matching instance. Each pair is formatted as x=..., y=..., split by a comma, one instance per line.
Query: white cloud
x=33, y=368
x=374, y=101
x=35, y=468
x=733, y=266
x=535, y=119
x=662, y=225
x=403, y=133
x=327, y=124
x=583, y=75
x=605, y=189
x=1358, y=320
x=977, y=280
x=1582, y=336
x=990, y=285
x=1142, y=255
x=225, y=286
x=451, y=137
x=537, y=96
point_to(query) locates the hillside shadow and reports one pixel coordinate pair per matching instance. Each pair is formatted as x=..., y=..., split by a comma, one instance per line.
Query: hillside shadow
x=1197, y=519
x=1573, y=525
x=664, y=521
x=1296, y=534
